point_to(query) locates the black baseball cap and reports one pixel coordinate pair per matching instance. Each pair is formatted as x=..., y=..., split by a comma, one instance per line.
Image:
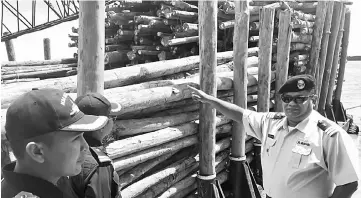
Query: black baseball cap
x=43, y=111
x=96, y=104
x=298, y=83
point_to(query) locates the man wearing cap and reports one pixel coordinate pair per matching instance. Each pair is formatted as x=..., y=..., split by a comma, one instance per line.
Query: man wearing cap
x=45, y=130
x=98, y=177
x=303, y=153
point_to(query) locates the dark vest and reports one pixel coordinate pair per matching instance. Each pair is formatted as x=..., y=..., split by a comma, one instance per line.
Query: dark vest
x=14, y=183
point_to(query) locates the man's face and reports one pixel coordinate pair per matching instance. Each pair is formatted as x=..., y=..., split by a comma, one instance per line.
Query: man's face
x=299, y=109
x=66, y=155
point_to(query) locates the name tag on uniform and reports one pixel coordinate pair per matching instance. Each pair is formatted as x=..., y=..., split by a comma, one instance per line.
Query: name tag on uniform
x=302, y=147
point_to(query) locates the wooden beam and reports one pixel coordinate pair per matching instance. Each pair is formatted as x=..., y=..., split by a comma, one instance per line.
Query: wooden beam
x=240, y=40
x=208, y=63
x=10, y=48
x=336, y=18
x=336, y=57
x=317, y=37
x=323, y=51
x=343, y=59
x=47, y=51
x=91, y=47
x=16, y=64
x=265, y=57
x=283, y=52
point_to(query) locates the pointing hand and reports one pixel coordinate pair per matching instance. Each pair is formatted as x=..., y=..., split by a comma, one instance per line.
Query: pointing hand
x=199, y=95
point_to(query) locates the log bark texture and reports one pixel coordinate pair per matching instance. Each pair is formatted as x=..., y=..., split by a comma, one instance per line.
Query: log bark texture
x=343, y=58
x=336, y=18
x=336, y=58
x=130, y=145
x=317, y=37
x=115, y=77
x=283, y=47
x=265, y=57
x=207, y=115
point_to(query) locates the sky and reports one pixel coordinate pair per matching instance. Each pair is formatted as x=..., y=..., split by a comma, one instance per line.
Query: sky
x=30, y=46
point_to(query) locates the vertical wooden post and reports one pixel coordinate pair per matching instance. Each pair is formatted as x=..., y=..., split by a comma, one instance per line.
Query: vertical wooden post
x=343, y=60
x=207, y=52
x=317, y=37
x=265, y=57
x=283, y=52
x=91, y=47
x=336, y=57
x=323, y=52
x=10, y=49
x=47, y=51
x=240, y=80
x=336, y=18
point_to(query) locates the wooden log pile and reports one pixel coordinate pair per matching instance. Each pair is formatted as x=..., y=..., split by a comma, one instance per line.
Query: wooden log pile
x=147, y=31
x=37, y=69
x=154, y=141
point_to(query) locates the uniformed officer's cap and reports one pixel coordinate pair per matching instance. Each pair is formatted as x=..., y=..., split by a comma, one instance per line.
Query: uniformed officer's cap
x=43, y=111
x=96, y=104
x=298, y=83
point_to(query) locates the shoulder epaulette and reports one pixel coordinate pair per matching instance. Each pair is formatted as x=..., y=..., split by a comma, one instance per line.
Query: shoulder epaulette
x=101, y=157
x=328, y=128
x=277, y=116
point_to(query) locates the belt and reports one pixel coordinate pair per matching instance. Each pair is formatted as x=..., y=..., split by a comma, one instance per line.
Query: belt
x=268, y=196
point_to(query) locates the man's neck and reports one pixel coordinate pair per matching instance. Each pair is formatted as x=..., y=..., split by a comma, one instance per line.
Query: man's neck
x=294, y=123
x=35, y=172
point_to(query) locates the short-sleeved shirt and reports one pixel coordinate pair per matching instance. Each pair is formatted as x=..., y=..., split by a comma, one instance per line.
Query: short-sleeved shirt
x=304, y=162
x=14, y=183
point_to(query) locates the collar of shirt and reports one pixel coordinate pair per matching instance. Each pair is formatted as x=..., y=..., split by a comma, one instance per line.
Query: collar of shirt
x=305, y=126
x=28, y=183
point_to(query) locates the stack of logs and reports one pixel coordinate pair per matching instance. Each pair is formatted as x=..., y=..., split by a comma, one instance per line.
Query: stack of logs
x=147, y=31
x=38, y=69
x=154, y=140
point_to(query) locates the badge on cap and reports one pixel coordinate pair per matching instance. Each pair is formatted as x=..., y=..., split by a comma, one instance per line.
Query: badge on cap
x=301, y=84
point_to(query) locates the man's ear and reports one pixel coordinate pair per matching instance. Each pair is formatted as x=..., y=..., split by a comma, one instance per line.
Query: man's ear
x=35, y=151
x=314, y=98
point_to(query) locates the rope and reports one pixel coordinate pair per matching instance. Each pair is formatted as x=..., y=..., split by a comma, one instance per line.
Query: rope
x=208, y=177
x=237, y=158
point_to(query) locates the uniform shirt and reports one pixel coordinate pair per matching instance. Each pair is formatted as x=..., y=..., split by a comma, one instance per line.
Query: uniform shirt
x=96, y=179
x=304, y=162
x=14, y=183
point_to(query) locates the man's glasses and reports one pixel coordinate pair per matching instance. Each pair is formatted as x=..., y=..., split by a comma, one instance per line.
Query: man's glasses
x=296, y=99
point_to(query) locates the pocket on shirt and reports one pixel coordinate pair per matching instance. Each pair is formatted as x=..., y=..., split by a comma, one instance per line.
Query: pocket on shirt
x=270, y=143
x=299, y=157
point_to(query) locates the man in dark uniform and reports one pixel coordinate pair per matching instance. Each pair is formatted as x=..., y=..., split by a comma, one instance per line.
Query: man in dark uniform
x=303, y=153
x=98, y=177
x=45, y=130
